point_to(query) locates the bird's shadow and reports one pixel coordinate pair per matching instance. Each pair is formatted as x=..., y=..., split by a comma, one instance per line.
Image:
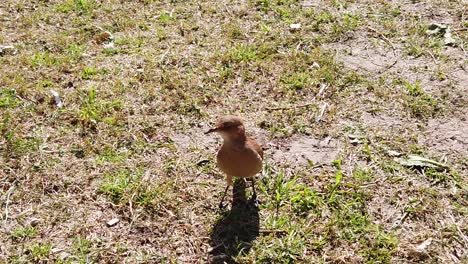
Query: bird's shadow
x=233, y=233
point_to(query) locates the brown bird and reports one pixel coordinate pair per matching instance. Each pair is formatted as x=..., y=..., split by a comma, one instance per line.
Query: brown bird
x=240, y=156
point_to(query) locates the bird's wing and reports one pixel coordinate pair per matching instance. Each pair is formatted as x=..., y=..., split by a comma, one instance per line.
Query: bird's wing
x=257, y=147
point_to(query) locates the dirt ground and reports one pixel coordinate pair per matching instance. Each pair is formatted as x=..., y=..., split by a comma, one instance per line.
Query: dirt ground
x=103, y=105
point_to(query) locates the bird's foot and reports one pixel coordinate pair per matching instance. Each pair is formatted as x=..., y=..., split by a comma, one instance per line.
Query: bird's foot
x=221, y=206
x=254, y=201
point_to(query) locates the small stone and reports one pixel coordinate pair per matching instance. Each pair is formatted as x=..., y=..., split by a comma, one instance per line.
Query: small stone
x=34, y=221
x=295, y=26
x=112, y=222
x=7, y=50
x=394, y=153
x=56, y=99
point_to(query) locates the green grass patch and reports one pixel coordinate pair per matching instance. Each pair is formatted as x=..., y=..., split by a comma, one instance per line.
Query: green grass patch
x=44, y=59
x=81, y=248
x=7, y=98
x=89, y=73
x=340, y=213
x=80, y=7
x=295, y=81
x=93, y=110
x=419, y=102
x=75, y=51
x=40, y=251
x=125, y=186
x=22, y=233
x=109, y=154
x=241, y=53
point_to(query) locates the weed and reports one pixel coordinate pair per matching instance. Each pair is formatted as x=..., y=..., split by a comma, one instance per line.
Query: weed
x=89, y=73
x=24, y=233
x=75, y=51
x=233, y=31
x=305, y=199
x=20, y=146
x=380, y=247
x=296, y=81
x=166, y=18
x=125, y=187
x=347, y=23
x=116, y=185
x=7, y=98
x=111, y=155
x=420, y=103
x=43, y=59
x=40, y=251
x=241, y=53
x=78, y=6
x=111, y=51
x=363, y=174
x=93, y=110
x=81, y=248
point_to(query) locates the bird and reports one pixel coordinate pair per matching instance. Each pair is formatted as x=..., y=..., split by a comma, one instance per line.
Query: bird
x=239, y=156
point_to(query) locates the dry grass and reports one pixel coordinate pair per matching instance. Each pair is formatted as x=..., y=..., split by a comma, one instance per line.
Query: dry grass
x=333, y=102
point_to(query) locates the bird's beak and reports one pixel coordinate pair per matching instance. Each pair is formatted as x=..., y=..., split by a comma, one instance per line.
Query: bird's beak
x=211, y=130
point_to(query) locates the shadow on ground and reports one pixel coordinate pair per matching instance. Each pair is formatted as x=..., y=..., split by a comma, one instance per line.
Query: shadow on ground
x=233, y=233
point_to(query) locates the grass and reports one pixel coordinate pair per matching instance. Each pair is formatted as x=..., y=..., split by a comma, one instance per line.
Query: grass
x=420, y=103
x=334, y=102
x=77, y=6
x=24, y=233
x=7, y=98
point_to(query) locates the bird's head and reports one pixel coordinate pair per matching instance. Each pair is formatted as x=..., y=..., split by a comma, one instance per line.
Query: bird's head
x=229, y=127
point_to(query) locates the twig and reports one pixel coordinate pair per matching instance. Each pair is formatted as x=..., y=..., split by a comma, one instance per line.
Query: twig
x=7, y=202
x=322, y=89
x=130, y=203
x=272, y=231
x=390, y=43
x=322, y=111
x=405, y=215
x=433, y=58
x=390, y=66
x=401, y=220
x=26, y=99
x=288, y=107
x=320, y=165
x=458, y=229
x=384, y=38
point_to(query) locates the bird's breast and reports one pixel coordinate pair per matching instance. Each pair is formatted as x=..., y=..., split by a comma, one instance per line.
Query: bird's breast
x=239, y=161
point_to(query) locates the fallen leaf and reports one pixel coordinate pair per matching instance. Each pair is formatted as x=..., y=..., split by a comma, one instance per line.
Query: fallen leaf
x=422, y=247
x=417, y=161
x=56, y=99
x=112, y=222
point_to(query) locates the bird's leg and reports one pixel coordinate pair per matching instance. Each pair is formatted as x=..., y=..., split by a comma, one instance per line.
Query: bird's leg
x=253, y=198
x=221, y=206
x=229, y=183
x=254, y=193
